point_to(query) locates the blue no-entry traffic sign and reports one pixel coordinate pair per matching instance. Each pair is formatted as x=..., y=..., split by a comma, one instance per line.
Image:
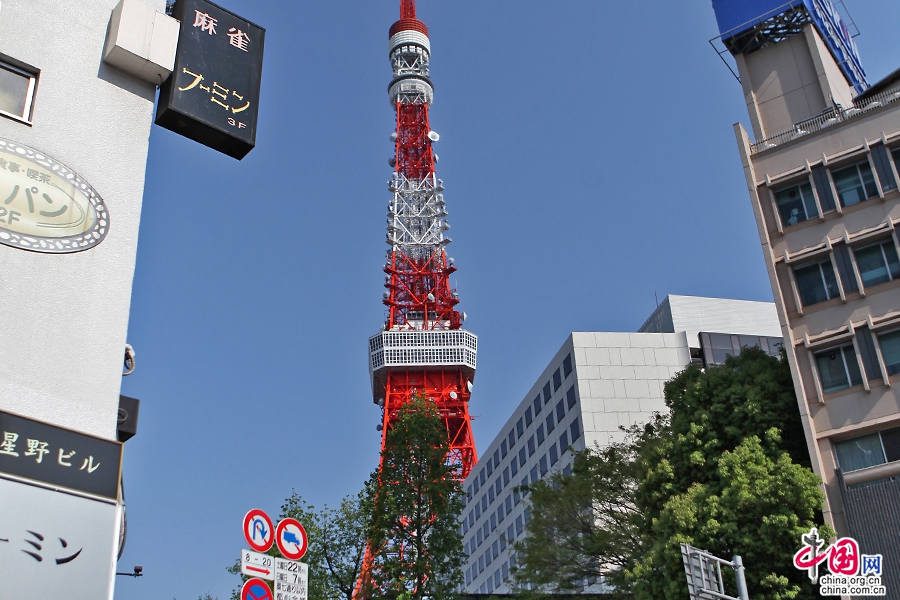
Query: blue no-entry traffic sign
x=258, y=530
x=256, y=589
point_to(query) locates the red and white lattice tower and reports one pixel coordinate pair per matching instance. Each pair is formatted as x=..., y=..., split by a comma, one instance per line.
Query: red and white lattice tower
x=421, y=349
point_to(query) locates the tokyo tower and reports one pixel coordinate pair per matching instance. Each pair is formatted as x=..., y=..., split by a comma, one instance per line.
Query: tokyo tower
x=421, y=348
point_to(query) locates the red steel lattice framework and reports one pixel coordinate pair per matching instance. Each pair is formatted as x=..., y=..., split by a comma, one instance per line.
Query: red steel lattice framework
x=410, y=356
x=422, y=348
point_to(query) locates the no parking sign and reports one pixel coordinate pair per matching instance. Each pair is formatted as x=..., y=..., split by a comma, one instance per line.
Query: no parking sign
x=256, y=589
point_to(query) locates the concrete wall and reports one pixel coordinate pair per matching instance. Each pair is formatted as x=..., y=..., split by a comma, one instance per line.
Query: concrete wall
x=790, y=81
x=63, y=337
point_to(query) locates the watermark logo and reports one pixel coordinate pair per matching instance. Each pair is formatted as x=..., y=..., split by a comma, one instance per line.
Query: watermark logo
x=850, y=573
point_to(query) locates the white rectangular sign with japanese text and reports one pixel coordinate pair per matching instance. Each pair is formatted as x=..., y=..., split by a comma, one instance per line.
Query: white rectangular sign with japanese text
x=54, y=544
x=291, y=578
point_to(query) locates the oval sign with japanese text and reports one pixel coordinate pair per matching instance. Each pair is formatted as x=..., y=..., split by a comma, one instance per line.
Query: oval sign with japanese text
x=45, y=206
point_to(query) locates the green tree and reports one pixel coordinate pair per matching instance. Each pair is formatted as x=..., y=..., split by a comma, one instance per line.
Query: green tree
x=414, y=535
x=727, y=471
x=336, y=545
x=583, y=525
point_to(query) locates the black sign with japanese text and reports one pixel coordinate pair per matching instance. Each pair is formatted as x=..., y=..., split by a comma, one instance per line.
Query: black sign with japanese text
x=212, y=96
x=59, y=456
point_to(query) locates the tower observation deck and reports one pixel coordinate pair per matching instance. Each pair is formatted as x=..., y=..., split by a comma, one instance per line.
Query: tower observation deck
x=421, y=348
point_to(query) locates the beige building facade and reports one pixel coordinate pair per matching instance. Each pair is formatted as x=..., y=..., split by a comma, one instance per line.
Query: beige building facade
x=822, y=175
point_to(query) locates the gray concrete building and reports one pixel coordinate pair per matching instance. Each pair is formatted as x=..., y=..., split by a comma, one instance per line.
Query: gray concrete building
x=821, y=167
x=596, y=384
x=74, y=135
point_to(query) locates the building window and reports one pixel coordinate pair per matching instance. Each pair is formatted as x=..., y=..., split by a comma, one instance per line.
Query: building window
x=796, y=204
x=543, y=463
x=506, y=476
x=575, y=428
x=522, y=456
x=476, y=484
x=540, y=434
x=509, y=504
x=519, y=525
x=512, y=438
x=490, y=468
x=570, y=397
x=484, y=503
x=503, y=449
x=16, y=92
x=877, y=262
x=502, y=542
x=550, y=423
x=557, y=380
x=838, y=368
x=478, y=537
x=890, y=351
x=547, y=392
x=520, y=427
x=869, y=450
x=534, y=474
x=472, y=516
x=560, y=411
x=553, y=455
x=537, y=404
x=505, y=570
x=496, y=459
x=528, y=417
x=855, y=183
x=497, y=486
x=491, y=494
x=567, y=365
x=497, y=578
x=513, y=466
x=493, y=522
x=816, y=282
x=468, y=576
x=563, y=441
x=531, y=446
x=511, y=532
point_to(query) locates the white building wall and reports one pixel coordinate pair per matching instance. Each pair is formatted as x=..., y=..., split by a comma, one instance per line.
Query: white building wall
x=616, y=381
x=62, y=341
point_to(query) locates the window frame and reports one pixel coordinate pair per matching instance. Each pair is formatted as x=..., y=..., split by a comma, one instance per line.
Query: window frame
x=797, y=184
x=880, y=242
x=839, y=200
x=840, y=348
x=819, y=262
x=33, y=75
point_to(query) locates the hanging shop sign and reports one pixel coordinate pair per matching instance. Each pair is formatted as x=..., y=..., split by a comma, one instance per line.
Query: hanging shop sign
x=212, y=96
x=44, y=205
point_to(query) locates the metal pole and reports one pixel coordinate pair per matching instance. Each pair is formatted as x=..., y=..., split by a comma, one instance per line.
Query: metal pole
x=739, y=575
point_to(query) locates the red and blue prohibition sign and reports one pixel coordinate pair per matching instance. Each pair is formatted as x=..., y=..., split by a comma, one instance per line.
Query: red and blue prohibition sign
x=258, y=530
x=256, y=589
x=291, y=539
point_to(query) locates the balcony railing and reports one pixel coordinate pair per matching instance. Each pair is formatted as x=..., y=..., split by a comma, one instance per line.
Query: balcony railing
x=827, y=119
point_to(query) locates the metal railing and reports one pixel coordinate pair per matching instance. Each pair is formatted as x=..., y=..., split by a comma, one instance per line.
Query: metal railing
x=829, y=118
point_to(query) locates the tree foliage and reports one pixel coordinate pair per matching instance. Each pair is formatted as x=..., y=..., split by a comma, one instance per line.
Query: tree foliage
x=583, y=525
x=414, y=534
x=725, y=470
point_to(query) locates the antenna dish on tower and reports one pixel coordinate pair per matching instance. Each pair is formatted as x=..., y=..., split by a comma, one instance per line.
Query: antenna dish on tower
x=433, y=136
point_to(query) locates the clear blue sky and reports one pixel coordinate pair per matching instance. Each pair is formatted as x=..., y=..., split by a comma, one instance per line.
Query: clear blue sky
x=589, y=161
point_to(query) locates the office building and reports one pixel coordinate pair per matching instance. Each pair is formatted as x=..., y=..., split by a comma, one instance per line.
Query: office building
x=595, y=384
x=821, y=170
